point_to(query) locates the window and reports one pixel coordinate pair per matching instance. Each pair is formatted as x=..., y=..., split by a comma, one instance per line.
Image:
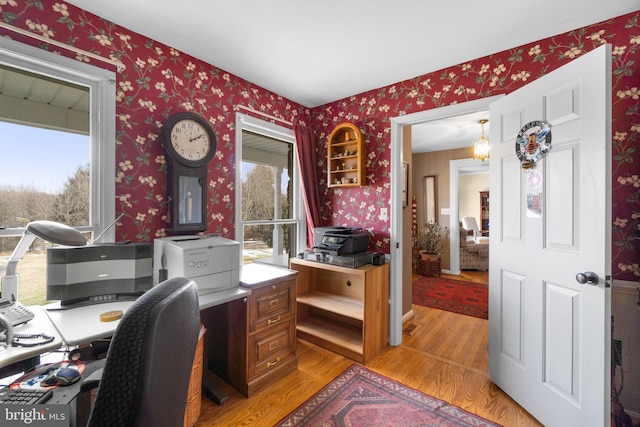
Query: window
x=268, y=197
x=57, y=139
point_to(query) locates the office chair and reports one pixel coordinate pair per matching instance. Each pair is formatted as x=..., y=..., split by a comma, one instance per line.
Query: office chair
x=146, y=374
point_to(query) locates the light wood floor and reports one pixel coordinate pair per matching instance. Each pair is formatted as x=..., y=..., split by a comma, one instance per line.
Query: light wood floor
x=467, y=276
x=445, y=357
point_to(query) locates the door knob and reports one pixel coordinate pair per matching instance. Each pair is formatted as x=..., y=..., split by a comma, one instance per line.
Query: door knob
x=588, y=277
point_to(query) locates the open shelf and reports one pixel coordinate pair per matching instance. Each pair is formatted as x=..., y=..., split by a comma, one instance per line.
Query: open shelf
x=327, y=333
x=334, y=303
x=345, y=310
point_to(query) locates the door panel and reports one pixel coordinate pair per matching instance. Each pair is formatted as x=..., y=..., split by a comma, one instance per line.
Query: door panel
x=563, y=104
x=562, y=317
x=512, y=315
x=562, y=203
x=511, y=224
x=549, y=336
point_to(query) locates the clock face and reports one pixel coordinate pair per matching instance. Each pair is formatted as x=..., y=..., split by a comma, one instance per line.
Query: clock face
x=189, y=139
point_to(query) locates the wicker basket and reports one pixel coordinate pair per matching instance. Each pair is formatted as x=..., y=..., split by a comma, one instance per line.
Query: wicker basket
x=429, y=265
x=194, y=395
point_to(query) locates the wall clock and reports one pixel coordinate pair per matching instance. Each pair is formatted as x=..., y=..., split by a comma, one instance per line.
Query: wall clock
x=191, y=144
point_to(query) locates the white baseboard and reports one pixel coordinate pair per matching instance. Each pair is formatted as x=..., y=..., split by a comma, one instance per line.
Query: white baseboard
x=408, y=316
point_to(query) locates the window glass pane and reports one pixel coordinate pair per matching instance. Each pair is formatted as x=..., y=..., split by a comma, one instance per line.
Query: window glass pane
x=266, y=166
x=49, y=109
x=31, y=269
x=260, y=241
x=45, y=175
x=269, y=222
x=45, y=166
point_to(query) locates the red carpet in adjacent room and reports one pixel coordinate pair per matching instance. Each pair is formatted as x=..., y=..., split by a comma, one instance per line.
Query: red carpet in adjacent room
x=360, y=397
x=457, y=296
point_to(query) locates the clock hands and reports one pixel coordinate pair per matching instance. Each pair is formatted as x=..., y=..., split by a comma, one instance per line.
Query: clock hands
x=197, y=137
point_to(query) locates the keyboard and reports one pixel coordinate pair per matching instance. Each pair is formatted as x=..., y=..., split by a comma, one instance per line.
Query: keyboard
x=22, y=396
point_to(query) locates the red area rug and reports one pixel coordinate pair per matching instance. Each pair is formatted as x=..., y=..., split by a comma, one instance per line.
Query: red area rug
x=359, y=397
x=457, y=296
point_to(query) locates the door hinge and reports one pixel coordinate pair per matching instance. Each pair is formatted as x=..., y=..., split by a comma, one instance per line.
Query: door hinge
x=397, y=245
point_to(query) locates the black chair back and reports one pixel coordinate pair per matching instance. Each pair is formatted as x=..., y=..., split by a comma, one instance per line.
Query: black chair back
x=148, y=365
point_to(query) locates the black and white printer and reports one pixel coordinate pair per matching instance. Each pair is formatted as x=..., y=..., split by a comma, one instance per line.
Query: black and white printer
x=212, y=261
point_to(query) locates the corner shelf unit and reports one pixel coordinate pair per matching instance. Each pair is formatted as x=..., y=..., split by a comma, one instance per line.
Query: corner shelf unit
x=345, y=310
x=346, y=156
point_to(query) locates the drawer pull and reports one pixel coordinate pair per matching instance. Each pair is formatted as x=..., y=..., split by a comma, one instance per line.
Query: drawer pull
x=274, y=363
x=273, y=303
x=274, y=320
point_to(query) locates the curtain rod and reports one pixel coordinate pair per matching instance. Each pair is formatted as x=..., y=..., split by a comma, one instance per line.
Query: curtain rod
x=119, y=65
x=242, y=107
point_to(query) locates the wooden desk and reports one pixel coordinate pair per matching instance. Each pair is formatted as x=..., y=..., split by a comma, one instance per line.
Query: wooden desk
x=81, y=325
x=254, y=338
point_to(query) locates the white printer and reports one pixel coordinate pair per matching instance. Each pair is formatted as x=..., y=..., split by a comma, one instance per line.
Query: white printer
x=212, y=261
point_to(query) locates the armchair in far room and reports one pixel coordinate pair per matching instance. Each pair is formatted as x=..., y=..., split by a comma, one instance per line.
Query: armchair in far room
x=469, y=223
x=473, y=255
x=145, y=380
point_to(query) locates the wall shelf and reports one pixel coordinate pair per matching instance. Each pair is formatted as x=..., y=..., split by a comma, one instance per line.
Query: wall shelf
x=346, y=156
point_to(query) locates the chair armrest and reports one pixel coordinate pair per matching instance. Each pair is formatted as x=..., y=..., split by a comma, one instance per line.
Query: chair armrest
x=483, y=249
x=92, y=381
x=471, y=247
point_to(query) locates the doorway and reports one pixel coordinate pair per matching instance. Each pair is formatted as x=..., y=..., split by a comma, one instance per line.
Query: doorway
x=398, y=288
x=459, y=170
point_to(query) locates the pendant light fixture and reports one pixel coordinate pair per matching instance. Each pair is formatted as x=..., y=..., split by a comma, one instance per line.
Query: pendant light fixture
x=481, y=147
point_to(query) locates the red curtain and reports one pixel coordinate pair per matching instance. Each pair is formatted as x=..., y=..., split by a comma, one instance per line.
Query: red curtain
x=305, y=141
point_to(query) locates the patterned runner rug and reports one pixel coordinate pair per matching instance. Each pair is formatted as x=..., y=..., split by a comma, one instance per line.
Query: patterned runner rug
x=457, y=296
x=359, y=397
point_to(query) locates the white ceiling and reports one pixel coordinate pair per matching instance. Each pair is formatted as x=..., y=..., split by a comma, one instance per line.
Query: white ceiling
x=449, y=133
x=316, y=52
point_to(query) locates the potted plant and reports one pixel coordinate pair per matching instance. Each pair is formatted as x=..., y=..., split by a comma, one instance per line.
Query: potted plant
x=432, y=239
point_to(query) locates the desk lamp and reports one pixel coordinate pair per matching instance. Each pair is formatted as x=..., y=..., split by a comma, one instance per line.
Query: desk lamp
x=49, y=231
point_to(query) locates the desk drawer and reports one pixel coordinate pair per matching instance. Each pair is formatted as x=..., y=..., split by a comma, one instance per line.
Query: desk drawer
x=268, y=348
x=271, y=305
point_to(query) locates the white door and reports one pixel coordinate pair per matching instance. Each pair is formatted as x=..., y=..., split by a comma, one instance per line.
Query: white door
x=549, y=336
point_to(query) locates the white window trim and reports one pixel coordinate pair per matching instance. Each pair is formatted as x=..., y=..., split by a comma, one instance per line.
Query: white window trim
x=102, y=86
x=271, y=130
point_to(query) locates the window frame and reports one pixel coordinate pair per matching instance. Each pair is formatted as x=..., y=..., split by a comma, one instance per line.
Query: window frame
x=281, y=133
x=102, y=118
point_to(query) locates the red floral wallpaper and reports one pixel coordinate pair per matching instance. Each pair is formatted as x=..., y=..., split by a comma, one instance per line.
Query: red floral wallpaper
x=159, y=81
x=499, y=73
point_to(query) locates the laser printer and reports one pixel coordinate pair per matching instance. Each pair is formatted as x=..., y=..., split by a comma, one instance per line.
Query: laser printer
x=212, y=261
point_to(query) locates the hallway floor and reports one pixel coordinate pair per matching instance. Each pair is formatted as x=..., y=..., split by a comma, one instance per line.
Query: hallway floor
x=465, y=275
